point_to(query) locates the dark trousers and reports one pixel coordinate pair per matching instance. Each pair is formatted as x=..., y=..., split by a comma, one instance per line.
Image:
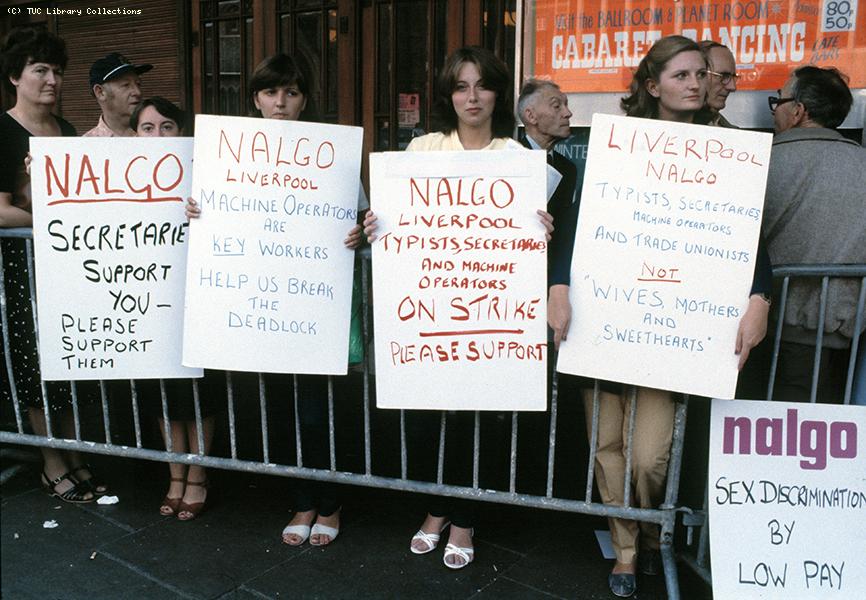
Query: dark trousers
x=315, y=445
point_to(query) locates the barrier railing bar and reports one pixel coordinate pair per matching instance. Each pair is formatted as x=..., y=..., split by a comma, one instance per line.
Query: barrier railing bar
x=501, y=497
x=136, y=419
x=365, y=265
x=632, y=414
x=675, y=461
x=7, y=350
x=855, y=341
x=512, y=481
x=819, y=339
x=106, y=421
x=777, y=340
x=263, y=408
x=403, y=457
x=331, y=443
x=166, y=425
x=551, y=438
x=76, y=415
x=299, y=448
x=230, y=401
x=593, y=440
x=440, y=459
x=476, y=448
x=196, y=402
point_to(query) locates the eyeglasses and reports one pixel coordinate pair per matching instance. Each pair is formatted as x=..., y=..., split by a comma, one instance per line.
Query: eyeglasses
x=775, y=101
x=725, y=78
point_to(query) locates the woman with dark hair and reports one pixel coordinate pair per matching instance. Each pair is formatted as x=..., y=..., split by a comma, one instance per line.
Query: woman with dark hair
x=279, y=90
x=472, y=110
x=157, y=117
x=33, y=61
x=187, y=488
x=670, y=85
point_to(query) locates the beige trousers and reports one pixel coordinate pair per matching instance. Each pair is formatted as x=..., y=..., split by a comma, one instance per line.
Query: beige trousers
x=654, y=424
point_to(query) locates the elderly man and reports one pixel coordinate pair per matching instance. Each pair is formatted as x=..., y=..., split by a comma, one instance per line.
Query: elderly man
x=721, y=80
x=543, y=108
x=116, y=85
x=814, y=213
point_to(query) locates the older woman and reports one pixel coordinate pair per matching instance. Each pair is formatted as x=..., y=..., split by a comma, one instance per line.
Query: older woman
x=33, y=61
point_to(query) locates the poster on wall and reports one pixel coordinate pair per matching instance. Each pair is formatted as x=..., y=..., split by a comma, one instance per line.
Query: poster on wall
x=787, y=500
x=269, y=283
x=459, y=280
x=594, y=45
x=110, y=241
x=664, y=253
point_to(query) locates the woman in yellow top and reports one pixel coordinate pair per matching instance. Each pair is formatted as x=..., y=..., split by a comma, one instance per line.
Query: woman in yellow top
x=473, y=110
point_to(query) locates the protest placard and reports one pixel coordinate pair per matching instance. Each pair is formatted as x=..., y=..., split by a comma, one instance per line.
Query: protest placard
x=459, y=281
x=269, y=282
x=787, y=500
x=664, y=253
x=110, y=242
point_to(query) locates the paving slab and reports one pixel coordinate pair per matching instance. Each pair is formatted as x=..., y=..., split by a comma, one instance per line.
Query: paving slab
x=56, y=563
x=508, y=589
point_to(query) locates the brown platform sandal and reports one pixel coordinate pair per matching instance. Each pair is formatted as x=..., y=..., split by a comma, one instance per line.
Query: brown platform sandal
x=170, y=506
x=77, y=494
x=194, y=509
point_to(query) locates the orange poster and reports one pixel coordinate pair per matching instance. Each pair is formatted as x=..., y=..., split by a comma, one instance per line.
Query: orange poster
x=594, y=45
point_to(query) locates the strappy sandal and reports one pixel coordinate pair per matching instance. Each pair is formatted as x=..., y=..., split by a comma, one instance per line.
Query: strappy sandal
x=194, y=509
x=169, y=506
x=466, y=555
x=77, y=494
x=431, y=540
x=96, y=486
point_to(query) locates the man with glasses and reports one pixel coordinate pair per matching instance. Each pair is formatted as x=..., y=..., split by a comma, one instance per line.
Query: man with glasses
x=721, y=79
x=815, y=213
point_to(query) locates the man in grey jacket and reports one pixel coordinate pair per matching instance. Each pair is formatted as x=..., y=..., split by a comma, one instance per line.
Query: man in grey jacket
x=814, y=213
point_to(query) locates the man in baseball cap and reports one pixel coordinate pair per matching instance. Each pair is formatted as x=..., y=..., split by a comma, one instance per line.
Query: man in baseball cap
x=116, y=85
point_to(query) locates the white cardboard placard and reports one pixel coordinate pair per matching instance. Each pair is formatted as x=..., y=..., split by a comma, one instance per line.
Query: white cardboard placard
x=269, y=283
x=110, y=241
x=787, y=500
x=459, y=280
x=664, y=253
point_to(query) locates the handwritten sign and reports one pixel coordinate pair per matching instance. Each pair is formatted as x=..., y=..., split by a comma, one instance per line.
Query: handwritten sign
x=269, y=283
x=664, y=253
x=787, y=500
x=594, y=45
x=110, y=241
x=459, y=280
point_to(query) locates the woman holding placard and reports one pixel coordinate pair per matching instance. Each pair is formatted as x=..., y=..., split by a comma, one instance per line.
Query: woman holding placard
x=474, y=110
x=669, y=84
x=279, y=90
x=187, y=489
x=33, y=61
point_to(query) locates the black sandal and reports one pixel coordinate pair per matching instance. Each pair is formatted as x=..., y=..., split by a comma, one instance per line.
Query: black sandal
x=96, y=486
x=77, y=494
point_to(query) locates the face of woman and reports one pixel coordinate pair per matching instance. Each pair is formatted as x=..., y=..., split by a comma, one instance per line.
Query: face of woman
x=39, y=83
x=681, y=86
x=472, y=102
x=285, y=102
x=152, y=124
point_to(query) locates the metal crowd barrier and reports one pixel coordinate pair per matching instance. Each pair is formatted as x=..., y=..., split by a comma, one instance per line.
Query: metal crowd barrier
x=784, y=274
x=664, y=516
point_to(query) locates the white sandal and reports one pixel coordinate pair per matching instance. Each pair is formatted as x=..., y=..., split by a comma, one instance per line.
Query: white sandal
x=302, y=531
x=431, y=540
x=331, y=532
x=466, y=554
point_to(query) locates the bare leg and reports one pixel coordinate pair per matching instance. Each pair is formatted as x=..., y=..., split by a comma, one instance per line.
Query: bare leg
x=197, y=474
x=55, y=463
x=177, y=484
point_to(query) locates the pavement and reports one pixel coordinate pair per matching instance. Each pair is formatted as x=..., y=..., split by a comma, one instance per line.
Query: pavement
x=233, y=550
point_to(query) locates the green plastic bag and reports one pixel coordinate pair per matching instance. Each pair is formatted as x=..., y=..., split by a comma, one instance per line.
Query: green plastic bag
x=356, y=328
